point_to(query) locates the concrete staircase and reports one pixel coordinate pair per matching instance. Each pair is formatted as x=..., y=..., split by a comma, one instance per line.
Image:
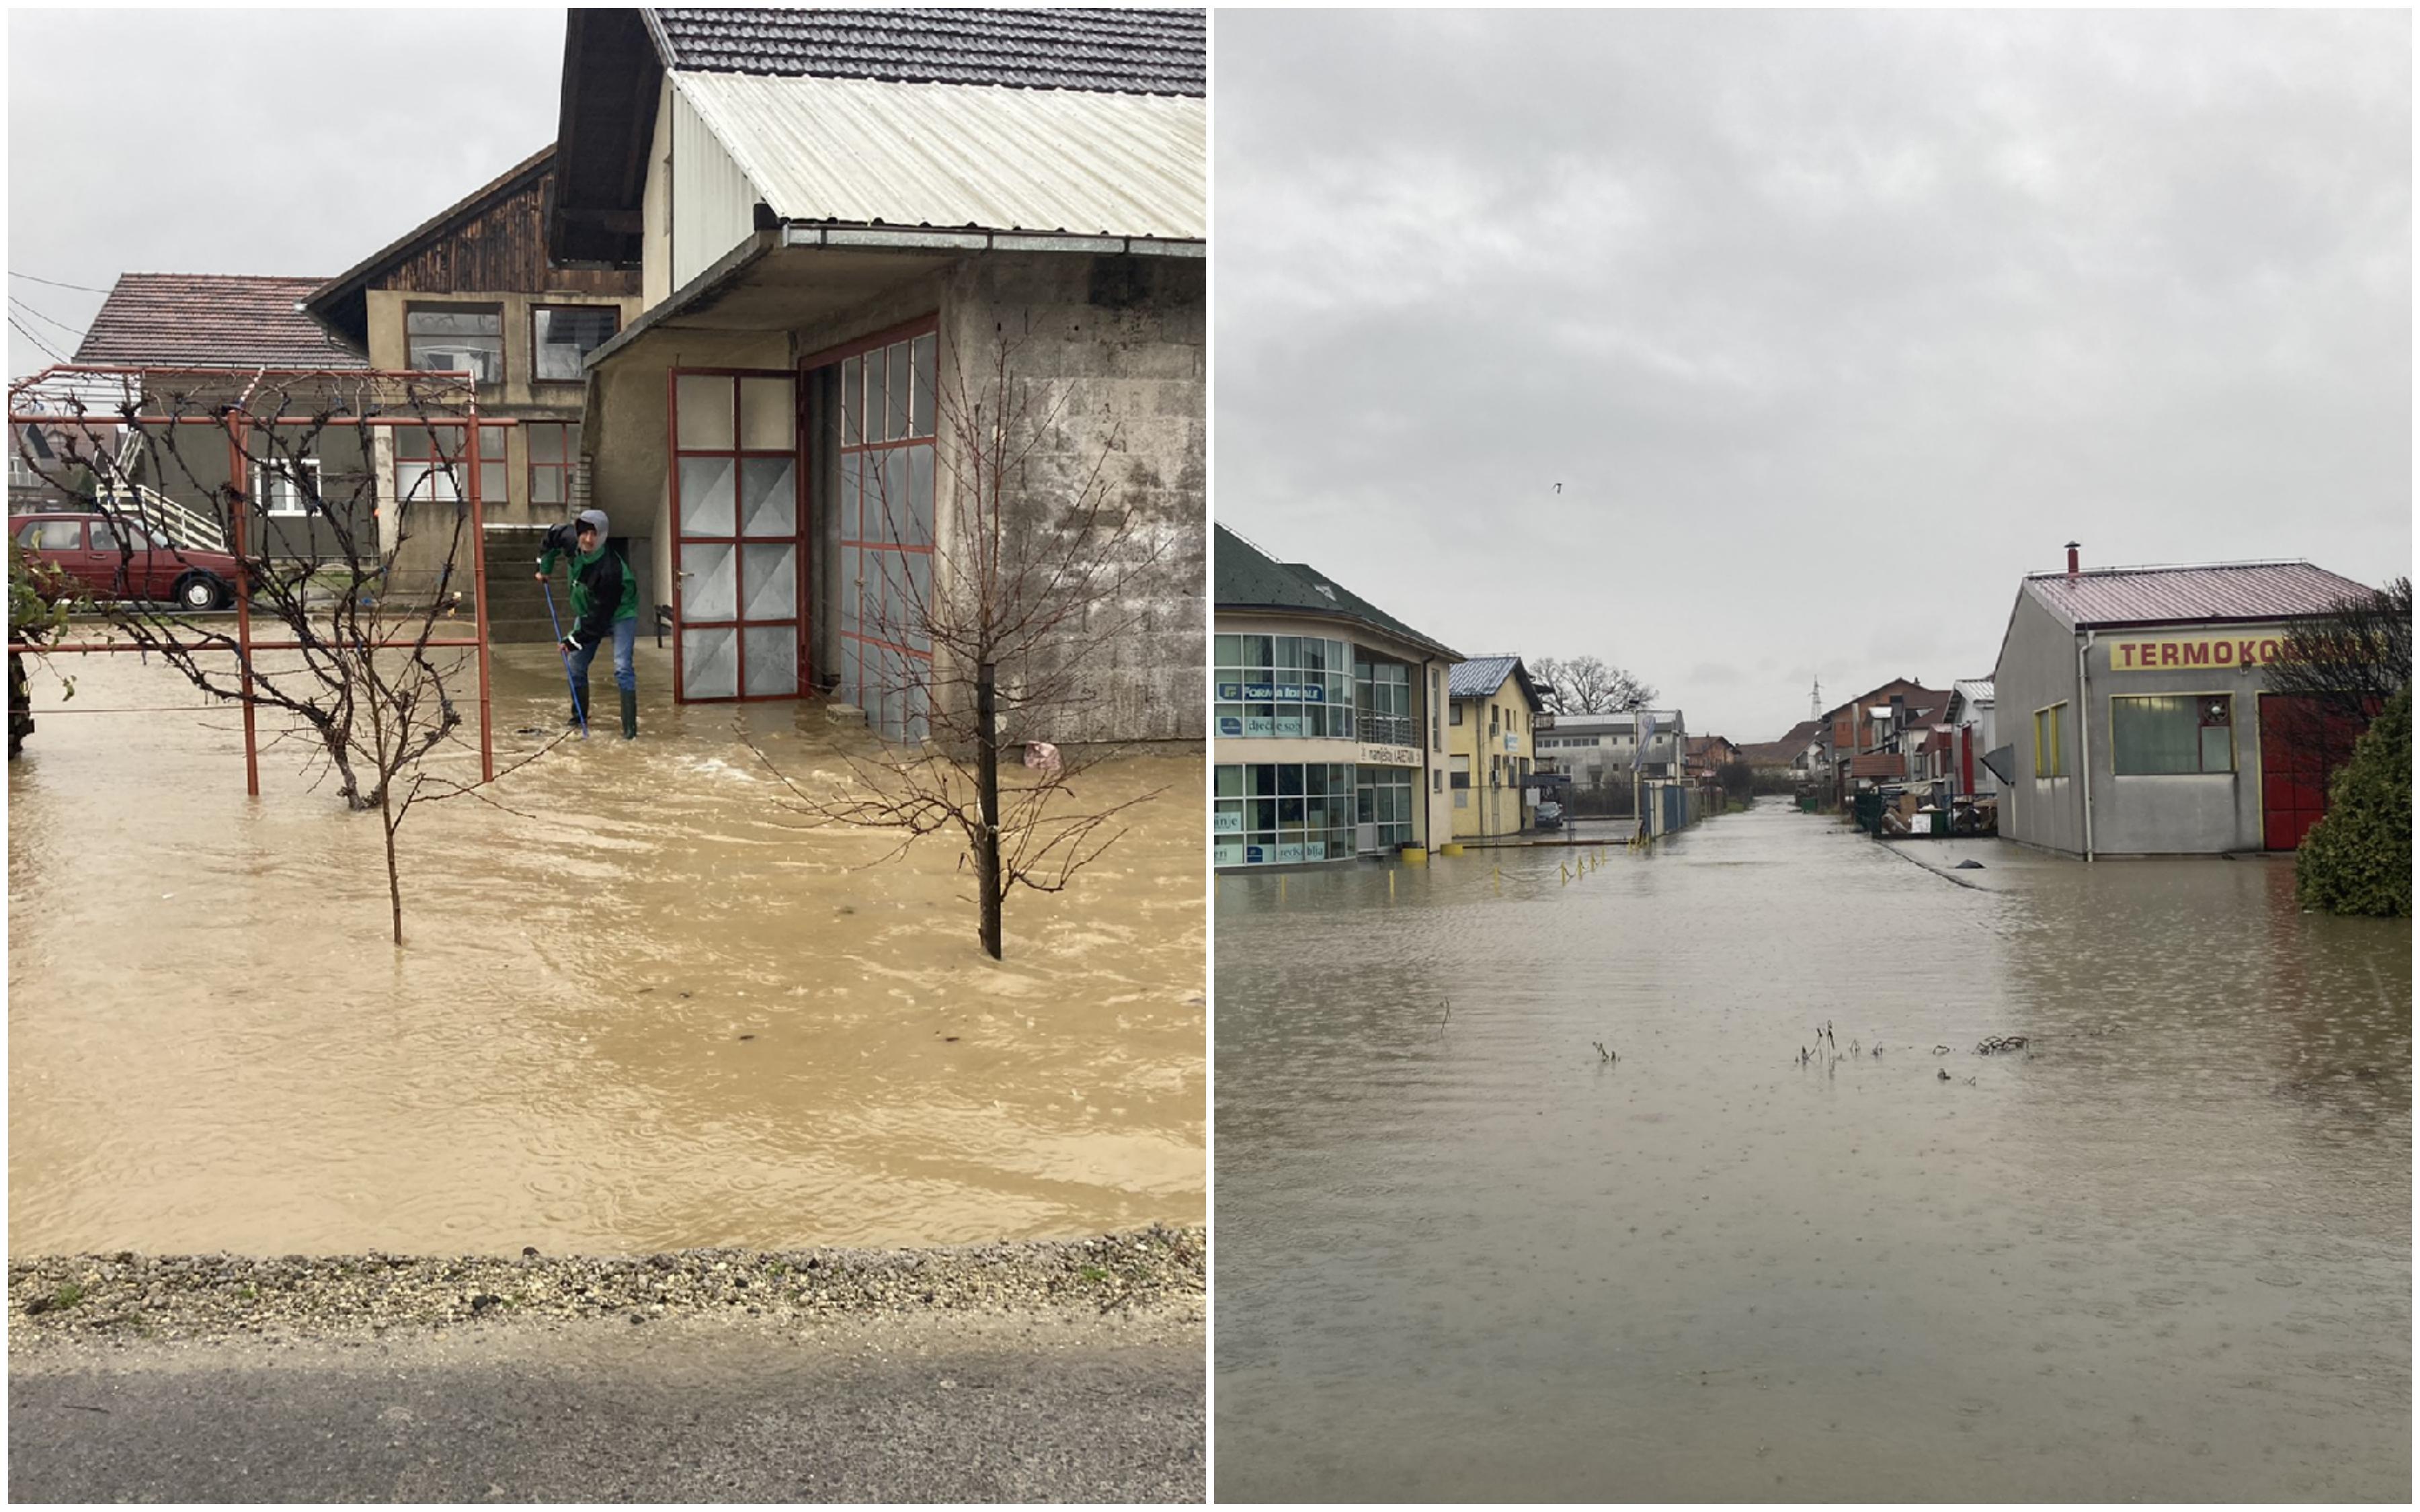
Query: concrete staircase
x=515, y=605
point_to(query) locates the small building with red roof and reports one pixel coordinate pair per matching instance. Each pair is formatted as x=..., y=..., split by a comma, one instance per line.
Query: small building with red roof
x=2136, y=712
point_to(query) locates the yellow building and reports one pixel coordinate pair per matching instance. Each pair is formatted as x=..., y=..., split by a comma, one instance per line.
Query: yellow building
x=1491, y=743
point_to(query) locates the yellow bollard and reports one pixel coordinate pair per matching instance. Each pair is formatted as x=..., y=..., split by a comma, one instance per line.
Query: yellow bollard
x=1567, y=876
x=1391, y=884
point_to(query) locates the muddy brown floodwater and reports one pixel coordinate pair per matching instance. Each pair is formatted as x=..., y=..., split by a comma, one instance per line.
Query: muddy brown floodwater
x=652, y=1014
x=2165, y=1255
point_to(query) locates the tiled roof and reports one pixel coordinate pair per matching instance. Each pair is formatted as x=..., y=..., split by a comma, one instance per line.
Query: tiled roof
x=1113, y=51
x=2189, y=595
x=1245, y=576
x=209, y=320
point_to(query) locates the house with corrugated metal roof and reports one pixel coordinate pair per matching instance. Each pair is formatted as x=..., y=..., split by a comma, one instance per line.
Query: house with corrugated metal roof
x=864, y=238
x=1491, y=741
x=1327, y=719
x=2139, y=710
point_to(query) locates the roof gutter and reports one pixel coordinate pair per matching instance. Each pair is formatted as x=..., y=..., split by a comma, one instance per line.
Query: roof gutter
x=928, y=239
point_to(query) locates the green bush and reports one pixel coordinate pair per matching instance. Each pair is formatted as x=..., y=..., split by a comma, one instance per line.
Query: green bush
x=2358, y=860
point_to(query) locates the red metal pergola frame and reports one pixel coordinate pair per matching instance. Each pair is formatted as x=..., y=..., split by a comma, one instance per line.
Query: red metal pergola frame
x=239, y=515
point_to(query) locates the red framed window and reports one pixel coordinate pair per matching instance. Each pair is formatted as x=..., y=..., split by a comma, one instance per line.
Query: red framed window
x=889, y=402
x=553, y=456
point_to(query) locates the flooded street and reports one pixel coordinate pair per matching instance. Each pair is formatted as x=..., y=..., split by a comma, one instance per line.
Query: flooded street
x=648, y=1011
x=2161, y=1254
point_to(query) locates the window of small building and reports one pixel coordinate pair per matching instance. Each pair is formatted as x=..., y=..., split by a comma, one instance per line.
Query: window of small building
x=1460, y=765
x=456, y=338
x=1437, y=721
x=427, y=464
x=2050, y=742
x=563, y=335
x=553, y=456
x=2165, y=736
x=286, y=487
x=1457, y=715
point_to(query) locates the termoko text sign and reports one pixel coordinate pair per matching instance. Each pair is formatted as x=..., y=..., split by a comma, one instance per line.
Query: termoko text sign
x=2193, y=652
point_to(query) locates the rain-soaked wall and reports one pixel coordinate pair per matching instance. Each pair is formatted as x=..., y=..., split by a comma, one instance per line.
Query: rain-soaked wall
x=2037, y=669
x=1115, y=344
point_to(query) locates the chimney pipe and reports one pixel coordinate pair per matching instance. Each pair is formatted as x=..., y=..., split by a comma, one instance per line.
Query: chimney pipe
x=2072, y=562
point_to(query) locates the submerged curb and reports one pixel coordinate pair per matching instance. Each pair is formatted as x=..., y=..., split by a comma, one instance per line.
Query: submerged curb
x=132, y=1297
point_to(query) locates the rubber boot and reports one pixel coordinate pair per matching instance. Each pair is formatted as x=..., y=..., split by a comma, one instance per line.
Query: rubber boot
x=580, y=705
x=630, y=713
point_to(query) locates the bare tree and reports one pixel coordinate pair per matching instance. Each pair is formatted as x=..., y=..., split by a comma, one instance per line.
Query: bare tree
x=271, y=487
x=2337, y=671
x=1587, y=684
x=1040, y=564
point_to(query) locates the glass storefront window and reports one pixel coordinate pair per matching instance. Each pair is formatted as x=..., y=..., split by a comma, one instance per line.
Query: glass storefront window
x=1282, y=813
x=1283, y=686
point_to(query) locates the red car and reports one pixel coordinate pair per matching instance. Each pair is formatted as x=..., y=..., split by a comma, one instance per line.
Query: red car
x=117, y=558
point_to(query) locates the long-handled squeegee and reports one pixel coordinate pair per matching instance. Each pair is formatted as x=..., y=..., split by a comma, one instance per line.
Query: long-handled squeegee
x=577, y=706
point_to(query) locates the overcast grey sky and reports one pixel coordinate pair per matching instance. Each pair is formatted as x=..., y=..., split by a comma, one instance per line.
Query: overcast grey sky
x=294, y=142
x=1830, y=326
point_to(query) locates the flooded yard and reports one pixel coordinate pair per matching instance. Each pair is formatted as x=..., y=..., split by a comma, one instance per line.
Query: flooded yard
x=647, y=1012
x=2163, y=1252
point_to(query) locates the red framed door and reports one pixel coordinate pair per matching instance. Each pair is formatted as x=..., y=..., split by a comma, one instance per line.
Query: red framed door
x=739, y=539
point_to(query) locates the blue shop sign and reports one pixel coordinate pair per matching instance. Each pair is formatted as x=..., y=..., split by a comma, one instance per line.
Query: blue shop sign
x=1228, y=725
x=1273, y=693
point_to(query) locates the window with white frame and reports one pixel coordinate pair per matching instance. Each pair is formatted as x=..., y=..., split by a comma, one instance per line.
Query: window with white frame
x=286, y=487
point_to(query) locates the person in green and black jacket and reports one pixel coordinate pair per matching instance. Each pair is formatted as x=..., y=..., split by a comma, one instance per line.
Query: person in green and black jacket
x=604, y=603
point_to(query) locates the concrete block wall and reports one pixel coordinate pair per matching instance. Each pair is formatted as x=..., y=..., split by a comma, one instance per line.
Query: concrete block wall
x=1107, y=358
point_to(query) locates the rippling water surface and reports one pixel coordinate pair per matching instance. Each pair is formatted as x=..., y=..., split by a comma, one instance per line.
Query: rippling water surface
x=2164, y=1254
x=645, y=1012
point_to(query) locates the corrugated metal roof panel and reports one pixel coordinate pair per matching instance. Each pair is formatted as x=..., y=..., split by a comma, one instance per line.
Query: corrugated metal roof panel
x=857, y=151
x=1972, y=689
x=2221, y=590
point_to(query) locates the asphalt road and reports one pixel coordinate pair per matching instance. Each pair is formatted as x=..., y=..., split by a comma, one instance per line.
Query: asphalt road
x=900, y=1411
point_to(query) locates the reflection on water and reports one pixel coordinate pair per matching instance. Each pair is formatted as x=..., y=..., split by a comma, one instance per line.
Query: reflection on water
x=2166, y=1254
x=646, y=1014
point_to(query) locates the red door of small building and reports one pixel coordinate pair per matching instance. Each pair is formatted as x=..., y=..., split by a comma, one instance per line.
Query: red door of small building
x=2299, y=745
